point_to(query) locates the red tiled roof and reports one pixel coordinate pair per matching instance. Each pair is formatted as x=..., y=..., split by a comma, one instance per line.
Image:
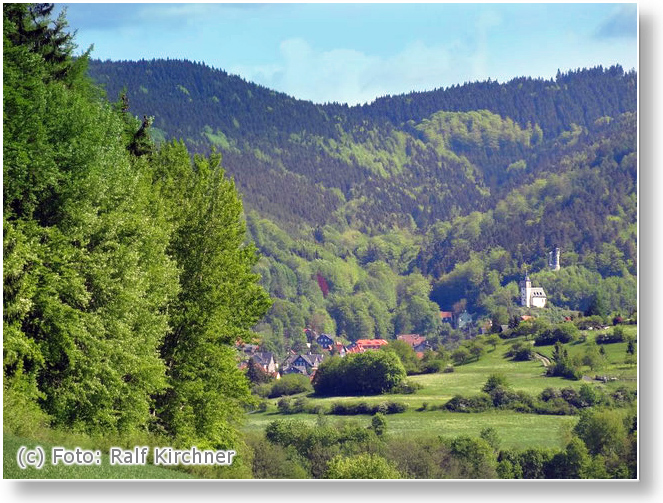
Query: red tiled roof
x=371, y=343
x=446, y=314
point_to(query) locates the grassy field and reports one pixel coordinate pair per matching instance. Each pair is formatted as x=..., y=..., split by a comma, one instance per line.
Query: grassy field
x=11, y=470
x=515, y=429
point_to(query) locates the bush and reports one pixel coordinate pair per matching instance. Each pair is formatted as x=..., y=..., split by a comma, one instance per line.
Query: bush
x=407, y=387
x=361, y=466
x=358, y=408
x=564, y=332
x=432, y=367
x=290, y=384
x=369, y=373
x=495, y=381
x=617, y=335
x=477, y=403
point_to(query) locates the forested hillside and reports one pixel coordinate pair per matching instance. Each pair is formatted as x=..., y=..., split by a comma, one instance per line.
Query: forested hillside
x=372, y=218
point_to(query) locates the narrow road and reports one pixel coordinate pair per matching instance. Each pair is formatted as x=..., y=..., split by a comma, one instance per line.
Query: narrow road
x=543, y=359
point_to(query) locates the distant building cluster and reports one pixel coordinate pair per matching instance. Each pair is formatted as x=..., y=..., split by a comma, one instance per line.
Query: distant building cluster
x=307, y=363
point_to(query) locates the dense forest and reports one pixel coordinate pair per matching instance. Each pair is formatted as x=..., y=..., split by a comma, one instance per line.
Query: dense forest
x=127, y=279
x=371, y=219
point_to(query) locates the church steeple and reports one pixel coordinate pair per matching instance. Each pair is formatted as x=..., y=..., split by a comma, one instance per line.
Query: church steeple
x=526, y=291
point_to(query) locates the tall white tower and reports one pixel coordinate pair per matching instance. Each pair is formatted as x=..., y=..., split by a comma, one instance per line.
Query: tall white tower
x=525, y=291
x=553, y=259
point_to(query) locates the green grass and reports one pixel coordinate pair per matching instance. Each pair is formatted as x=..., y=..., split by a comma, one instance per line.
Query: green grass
x=615, y=355
x=517, y=430
x=11, y=470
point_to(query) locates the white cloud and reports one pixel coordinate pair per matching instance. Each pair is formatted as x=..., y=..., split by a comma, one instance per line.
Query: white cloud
x=350, y=76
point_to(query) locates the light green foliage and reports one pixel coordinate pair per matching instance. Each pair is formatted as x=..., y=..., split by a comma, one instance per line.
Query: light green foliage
x=379, y=424
x=84, y=301
x=476, y=457
x=362, y=466
x=219, y=301
x=461, y=131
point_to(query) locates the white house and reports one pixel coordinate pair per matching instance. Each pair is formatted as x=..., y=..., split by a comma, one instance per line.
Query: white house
x=531, y=297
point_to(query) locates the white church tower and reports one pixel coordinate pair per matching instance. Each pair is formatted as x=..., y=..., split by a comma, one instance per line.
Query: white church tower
x=525, y=291
x=531, y=297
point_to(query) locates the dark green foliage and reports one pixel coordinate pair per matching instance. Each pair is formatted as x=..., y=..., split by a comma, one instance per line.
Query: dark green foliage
x=290, y=384
x=478, y=403
x=495, y=381
x=352, y=409
x=273, y=461
x=616, y=335
x=319, y=444
x=563, y=333
x=448, y=193
x=368, y=373
x=562, y=365
x=256, y=374
x=520, y=352
x=379, y=424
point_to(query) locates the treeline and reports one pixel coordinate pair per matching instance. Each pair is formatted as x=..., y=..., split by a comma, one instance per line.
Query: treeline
x=574, y=97
x=127, y=277
x=380, y=155
x=603, y=445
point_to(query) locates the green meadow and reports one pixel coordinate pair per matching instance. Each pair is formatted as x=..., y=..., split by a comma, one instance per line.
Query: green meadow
x=516, y=430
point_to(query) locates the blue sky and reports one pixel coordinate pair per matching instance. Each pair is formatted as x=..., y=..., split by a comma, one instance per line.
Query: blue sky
x=353, y=53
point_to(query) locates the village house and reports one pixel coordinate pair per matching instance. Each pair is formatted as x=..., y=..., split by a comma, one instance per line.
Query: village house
x=266, y=360
x=416, y=341
x=324, y=341
x=302, y=363
x=367, y=344
x=446, y=317
x=463, y=320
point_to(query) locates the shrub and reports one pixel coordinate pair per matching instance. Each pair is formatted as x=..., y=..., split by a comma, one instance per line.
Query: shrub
x=495, y=381
x=357, y=408
x=361, y=466
x=368, y=373
x=407, y=387
x=290, y=384
x=617, y=335
x=284, y=405
x=564, y=332
x=477, y=403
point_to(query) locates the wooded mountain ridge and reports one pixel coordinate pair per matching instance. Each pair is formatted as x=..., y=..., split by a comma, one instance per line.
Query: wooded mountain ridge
x=464, y=186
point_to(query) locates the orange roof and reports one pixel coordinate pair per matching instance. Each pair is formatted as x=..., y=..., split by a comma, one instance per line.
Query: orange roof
x=367, y=343
x=526, y=317
x=446, y=314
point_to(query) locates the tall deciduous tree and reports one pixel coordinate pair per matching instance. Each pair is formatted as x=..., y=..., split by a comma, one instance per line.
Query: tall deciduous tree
x=219, y=300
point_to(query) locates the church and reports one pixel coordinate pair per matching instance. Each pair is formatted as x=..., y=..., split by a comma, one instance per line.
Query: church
x=531, y=297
